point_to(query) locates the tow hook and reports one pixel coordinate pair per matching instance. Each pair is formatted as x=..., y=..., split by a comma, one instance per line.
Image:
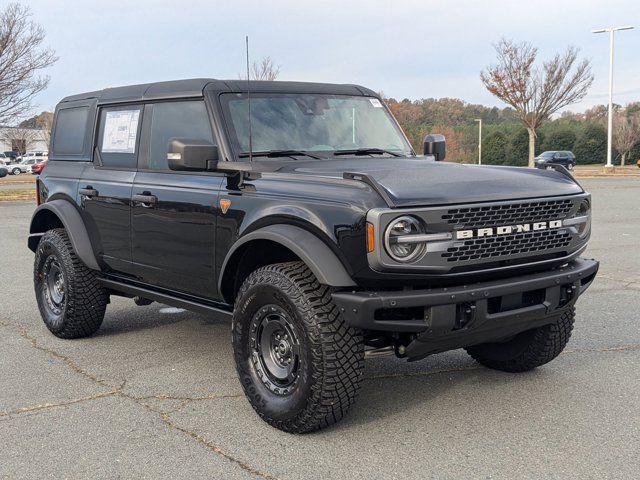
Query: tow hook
x=466, y=314
x=567, y=293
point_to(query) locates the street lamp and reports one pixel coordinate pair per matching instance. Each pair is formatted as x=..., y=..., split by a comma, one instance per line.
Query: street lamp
x=611, y=31
x=479, y=120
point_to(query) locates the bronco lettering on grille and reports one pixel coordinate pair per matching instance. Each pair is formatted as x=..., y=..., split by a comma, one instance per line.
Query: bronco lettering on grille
x=508, y=229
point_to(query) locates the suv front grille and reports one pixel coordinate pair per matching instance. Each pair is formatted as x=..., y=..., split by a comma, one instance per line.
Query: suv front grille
x=508, y=214
x=491, y=247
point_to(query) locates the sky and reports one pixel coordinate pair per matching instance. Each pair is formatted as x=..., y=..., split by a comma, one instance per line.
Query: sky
x=406, y=49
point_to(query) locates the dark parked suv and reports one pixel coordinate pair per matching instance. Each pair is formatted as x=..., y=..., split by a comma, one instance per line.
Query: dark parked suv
x=301, y=211
x=564, y=158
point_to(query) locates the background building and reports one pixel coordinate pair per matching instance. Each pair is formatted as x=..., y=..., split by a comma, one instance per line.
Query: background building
x=21, y=140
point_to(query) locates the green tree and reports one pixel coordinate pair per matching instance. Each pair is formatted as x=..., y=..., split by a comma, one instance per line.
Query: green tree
x=591, y=145
x=518, y=151
x=540, y=136
x=494, y=149
x=563, y=139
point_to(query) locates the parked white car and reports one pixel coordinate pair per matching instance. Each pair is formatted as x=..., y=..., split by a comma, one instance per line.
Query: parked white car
x=24, y=166
x=39, y=155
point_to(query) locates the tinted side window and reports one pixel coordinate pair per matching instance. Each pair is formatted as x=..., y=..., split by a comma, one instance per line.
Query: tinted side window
x=71, y=129
x=173, y=120
x=118, y=134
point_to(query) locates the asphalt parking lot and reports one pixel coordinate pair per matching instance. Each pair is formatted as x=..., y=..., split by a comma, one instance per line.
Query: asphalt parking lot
x=154, y=393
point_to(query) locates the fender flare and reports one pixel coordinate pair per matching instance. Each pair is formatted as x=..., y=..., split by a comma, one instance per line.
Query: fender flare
x=323, y=262
x=73, y=224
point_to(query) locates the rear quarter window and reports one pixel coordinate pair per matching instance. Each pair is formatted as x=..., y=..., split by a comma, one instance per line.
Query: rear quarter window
x=70, y=131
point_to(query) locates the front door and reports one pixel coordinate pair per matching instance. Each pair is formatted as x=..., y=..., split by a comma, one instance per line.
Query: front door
x=561, y=158
x=105, y=186
x=174, y=214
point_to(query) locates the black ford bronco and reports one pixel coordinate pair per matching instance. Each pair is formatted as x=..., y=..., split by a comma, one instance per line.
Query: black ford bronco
x=301, y=211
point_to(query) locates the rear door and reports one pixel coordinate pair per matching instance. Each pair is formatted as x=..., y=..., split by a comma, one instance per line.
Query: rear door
x=570, y=158
x=105, y=186
x=174, y=213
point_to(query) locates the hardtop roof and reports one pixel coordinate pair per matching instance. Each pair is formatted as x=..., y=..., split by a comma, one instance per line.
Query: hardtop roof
x=196, y=86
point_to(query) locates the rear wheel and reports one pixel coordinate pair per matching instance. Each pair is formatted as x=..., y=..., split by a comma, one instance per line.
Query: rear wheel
x=299, y=364
x=526, y=350
x=71, y=300
x=570, y=166
x=16, y=171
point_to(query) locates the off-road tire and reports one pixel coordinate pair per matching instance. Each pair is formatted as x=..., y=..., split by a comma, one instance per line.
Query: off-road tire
x=81, y=312
x=526, y=350
x=331, y=360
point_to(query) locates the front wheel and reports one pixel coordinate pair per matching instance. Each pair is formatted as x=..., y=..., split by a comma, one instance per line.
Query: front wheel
x=299, y=364
x=570, y=166
x=527, y=350
x=16, y=171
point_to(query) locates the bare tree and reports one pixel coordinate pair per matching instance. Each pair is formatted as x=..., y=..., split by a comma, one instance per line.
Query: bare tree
x=265, y=69
x=626, y=132
x=22, y=56
x=536, y=93
x=597, y=114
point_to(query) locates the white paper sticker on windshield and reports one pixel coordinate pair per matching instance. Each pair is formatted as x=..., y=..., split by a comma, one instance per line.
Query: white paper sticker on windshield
x=375, y=102
x=120, y=130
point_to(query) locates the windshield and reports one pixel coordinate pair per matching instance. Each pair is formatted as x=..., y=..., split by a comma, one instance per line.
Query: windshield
x=321, y=124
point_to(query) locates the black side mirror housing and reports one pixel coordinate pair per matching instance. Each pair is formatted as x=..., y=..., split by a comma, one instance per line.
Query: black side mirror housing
x=192, y=154
x=434, y=144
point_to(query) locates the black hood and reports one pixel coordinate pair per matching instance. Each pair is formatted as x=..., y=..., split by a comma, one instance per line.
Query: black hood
x=419, y=181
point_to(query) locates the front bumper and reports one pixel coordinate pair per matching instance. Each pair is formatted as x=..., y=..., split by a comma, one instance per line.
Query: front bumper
x=455, y=317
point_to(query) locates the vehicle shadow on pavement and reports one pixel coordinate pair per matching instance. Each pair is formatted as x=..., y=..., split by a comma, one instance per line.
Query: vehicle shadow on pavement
x=129, y=320
x=415, y=388
x=201, y=346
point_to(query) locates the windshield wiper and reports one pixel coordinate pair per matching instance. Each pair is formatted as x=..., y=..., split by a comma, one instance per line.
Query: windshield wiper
x=280, y=153
x=366, y=151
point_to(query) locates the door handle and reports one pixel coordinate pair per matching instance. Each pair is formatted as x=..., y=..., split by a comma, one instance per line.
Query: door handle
x=88, y=191
x=146, y=199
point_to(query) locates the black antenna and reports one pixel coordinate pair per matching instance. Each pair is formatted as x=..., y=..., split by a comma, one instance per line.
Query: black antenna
x=249, y=104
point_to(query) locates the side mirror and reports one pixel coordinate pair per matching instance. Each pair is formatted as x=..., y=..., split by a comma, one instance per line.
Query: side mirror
x=434, y=144
x=192, y=154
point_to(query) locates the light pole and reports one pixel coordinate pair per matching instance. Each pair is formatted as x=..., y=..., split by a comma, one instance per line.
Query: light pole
x=479, y=120
x=611, y=31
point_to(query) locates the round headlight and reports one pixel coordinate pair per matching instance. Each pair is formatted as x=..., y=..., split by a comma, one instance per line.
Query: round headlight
x=403, y=249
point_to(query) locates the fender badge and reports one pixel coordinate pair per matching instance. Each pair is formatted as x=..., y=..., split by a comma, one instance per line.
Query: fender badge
x=225, y=203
